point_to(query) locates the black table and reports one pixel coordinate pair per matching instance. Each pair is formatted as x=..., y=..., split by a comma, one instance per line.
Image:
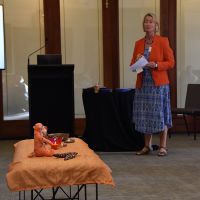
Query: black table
x=109, y=124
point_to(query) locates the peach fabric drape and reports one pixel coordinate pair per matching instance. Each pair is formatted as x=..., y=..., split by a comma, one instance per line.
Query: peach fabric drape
x=26, y=173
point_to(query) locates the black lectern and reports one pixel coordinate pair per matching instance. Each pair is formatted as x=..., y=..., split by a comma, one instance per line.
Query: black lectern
x=51, y=97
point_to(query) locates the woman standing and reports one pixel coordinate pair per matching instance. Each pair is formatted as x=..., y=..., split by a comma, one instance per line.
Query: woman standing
x=151, y=106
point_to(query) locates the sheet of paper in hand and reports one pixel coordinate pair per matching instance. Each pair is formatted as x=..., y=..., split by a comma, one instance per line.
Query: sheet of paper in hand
x=139, y=64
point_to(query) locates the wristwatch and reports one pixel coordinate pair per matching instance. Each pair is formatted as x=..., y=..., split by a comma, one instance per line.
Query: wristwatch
x=156, y=66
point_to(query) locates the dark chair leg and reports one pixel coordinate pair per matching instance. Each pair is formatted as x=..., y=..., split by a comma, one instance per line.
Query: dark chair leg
x=186, y=124
x=195, y=127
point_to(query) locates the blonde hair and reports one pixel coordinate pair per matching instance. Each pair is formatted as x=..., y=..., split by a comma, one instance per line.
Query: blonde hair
x=154, y=19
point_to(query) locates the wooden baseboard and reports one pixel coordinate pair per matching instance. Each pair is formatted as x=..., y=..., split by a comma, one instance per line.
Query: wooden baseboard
x=80, y=124
x=179, y=124
x=15, y=129
x=21, y=129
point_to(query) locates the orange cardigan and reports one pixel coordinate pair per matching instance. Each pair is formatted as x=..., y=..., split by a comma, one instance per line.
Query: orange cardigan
x=162, y=54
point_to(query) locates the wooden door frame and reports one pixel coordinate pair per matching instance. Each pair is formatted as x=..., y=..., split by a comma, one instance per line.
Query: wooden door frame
x=110, y=14
x=168, y=28
x=52, y=27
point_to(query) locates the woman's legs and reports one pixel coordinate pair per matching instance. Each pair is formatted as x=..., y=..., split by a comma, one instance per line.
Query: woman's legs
x=163, y=143
x=163, y=138
x=147, y=140
x=147, y=145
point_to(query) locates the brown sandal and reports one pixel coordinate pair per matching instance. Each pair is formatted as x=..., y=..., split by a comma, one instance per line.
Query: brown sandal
x=162, y=151
x=146, y=150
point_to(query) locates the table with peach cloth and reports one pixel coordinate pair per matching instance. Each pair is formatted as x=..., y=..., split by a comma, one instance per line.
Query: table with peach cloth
x=26, y=173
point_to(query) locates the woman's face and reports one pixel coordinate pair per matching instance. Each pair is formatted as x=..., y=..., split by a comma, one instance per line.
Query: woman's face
x=149, y=25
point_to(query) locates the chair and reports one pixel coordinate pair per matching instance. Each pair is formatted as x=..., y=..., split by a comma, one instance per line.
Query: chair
x=192, y=107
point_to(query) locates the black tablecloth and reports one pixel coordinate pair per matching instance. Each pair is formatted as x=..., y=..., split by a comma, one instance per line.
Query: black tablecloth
x=109, y=124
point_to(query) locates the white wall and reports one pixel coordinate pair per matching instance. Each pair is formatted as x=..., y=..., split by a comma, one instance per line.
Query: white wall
x=24, y=30
x=188, y=46
x=131, y=13
x=81, y=28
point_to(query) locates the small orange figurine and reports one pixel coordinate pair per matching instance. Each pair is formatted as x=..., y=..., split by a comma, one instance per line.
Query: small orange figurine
x=40, y=142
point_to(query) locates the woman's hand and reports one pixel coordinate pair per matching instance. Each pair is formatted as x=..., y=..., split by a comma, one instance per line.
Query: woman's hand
x=151, y=65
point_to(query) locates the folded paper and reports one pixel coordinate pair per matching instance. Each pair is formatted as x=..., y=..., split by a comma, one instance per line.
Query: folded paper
x=139, y=64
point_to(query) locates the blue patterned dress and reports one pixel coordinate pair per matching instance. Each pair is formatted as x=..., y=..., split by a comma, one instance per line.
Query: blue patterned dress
x=151, y=105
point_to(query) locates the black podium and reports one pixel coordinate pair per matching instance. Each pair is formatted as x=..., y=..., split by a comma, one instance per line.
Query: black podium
x=109, y=124
x=51, y=97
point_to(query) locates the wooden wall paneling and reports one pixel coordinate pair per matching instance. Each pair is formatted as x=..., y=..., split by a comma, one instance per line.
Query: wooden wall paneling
x=110, y=43
x=168, y=29
x=52, y=26
x=80, y=124
x=15, y=129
